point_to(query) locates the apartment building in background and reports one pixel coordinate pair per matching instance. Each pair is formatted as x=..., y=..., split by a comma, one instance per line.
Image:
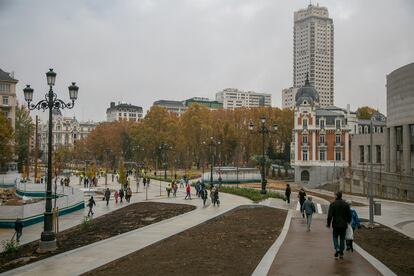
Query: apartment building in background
x=313, y=51
x=288, y=97
x=123, y=111
x=8, y=100
x=232, y=98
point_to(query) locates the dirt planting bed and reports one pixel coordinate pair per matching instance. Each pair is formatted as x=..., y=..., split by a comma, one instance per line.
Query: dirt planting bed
x=132, y=217
x=392, y=248
x=232, y=244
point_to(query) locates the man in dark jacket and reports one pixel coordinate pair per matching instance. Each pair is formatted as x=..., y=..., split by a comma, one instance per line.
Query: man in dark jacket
x=288, y=191
x=339, y=215
x=18, y=227
x=107, y=196
x=302, y=198
x=91, y=203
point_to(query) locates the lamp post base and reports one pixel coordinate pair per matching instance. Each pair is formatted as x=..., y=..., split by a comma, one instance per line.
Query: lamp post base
x=47, y=246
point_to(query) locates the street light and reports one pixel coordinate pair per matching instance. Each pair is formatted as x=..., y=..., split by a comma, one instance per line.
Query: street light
x=263, y=130
x=48, y=237
x=212, y=143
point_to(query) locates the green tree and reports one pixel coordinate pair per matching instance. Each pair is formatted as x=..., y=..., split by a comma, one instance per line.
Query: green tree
x=6, y=141
x=365, y=112
x=24, y=129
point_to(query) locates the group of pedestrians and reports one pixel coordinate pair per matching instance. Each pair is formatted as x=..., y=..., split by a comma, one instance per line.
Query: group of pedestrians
x=341, y=217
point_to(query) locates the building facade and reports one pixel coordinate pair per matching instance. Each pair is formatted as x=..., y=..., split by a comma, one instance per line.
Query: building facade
x=232, y=98
x=65, y=131
x=313, y=51
x=399, y=136
x=123, y=111
x=321, y=142
x=288, y=97
x=210, y=104
x=176, y=107
x=8, y=100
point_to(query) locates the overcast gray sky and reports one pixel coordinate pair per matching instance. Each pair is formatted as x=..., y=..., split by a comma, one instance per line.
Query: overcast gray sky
x=143, y=51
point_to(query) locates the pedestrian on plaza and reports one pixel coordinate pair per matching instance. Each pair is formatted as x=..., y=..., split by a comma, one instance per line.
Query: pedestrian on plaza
x=339, y=215
x=288, y=191
x=355, y=223
x=215, y=192
x=197, y=188
x=188, y=191
x=175, y=176
x=148, y=181
x=85, y=182
x=121, y=194
x=61, y=181
x=113, y=177
x=175, y=188
x=144, y=180
x=204, y=195
x=107, y=196
x=182, y=181
x=169, y=188
x=18, y=227
x=91, y=203
x=302, y=198
x=128, y=195
x=309, y=209
x=138, y=183
x=116, y=196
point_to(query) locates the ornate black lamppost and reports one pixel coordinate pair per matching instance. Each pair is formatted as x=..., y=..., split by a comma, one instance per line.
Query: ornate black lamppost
x=212, y=144
x=48, y=238
x=263, y=130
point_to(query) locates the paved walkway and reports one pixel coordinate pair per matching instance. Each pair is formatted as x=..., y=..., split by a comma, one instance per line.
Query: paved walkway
x=311, y=253
x=97, y=254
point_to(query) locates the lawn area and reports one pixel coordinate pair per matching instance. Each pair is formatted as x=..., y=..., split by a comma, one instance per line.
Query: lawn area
x=252, y=194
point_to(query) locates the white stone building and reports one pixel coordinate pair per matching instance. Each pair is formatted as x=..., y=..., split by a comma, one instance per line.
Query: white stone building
x=288, y=97
x=8, y=96
x=123, y=111
x=233, y=98
x=177, y=107
x=65, y=131
x=313, y=51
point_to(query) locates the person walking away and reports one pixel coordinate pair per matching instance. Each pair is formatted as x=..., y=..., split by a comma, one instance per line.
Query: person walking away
x=339, y=215
x=204, y=195
x=188, y=191
x=216, y=197
x=116, y=196
x=175, y=188
x=107, y=196
x=182, y=183
x=302, y=198
x=288, y=191
x=144, y=181
x=355, y=223
x=128, y=194
x=148, y=181
x=309, y=209
x=18, y=227
x=169, y=188
x=91, y=203
x=121, y=194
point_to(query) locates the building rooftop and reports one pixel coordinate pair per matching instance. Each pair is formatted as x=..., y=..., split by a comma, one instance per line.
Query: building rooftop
x=4, y=76
x=168, y=102
x=119, y=106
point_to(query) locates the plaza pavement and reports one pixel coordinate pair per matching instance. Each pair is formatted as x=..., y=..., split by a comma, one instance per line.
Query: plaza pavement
x=311, y=250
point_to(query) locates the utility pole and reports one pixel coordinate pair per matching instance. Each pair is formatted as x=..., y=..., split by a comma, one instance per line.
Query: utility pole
x=371, y=178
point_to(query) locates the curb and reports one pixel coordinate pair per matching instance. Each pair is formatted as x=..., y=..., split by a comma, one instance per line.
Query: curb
x=264, y=266
x=383, y=269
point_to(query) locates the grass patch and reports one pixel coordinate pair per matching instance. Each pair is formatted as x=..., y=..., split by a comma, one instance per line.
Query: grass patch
x=252, y=194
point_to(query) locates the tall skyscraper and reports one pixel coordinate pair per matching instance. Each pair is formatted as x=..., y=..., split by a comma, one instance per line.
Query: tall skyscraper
x=313, y=51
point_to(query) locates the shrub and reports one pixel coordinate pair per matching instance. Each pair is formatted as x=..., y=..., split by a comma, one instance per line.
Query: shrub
x=252, y=194
x=10, y=247
x=86, y=223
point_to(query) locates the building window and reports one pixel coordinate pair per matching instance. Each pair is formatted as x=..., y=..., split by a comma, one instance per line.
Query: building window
x=322, y=124
x=338, y=124
x=338, y=156
x=120, y=114
x=4, y=87
x=305, y=123
x=5, y=100
x=338, y=138
x=322, y=155
x=378, y=153
x=305, y=155
x=322, y=138
x=305, y=139
x=361, y=154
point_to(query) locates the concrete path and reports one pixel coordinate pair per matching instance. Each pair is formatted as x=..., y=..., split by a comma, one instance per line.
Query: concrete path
x=311, y=253
x=97, y=254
